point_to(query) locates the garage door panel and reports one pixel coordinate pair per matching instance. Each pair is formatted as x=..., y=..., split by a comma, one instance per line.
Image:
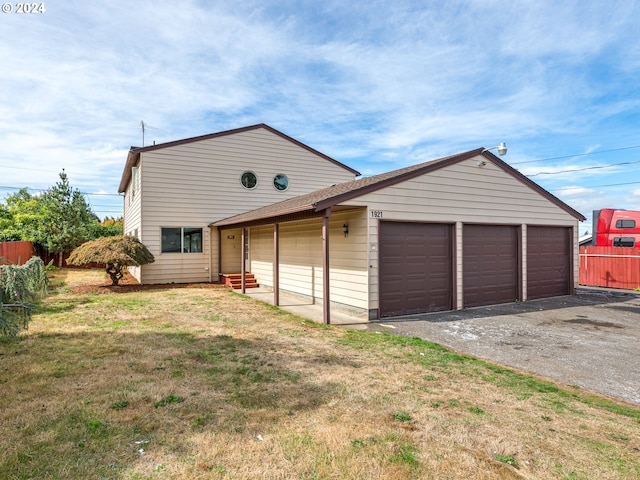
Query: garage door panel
x=548, y=261
x=490, y=264
x=415, y=268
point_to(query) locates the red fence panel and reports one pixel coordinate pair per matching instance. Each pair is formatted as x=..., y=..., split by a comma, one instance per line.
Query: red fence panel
x=16, y=253
x=612, y=267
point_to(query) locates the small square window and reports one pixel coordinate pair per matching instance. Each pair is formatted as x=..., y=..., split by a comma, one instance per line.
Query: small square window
x=171, y=240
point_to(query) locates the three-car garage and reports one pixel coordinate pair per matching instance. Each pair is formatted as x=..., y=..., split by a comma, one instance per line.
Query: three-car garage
x=499, y=264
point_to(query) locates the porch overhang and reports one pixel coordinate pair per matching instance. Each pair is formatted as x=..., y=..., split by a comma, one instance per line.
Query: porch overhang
x=304, y=213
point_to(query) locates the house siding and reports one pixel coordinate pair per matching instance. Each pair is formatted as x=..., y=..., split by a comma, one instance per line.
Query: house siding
x=133, y=217
x=301, y=269
x=197, y=183
x=460, y=193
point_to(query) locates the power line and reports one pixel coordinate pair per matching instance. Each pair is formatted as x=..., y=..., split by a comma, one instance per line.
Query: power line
x=583, y=169
x=25, y=168
x=596, y=186
x=98, y=194
x=577, y=155
x=76, y=174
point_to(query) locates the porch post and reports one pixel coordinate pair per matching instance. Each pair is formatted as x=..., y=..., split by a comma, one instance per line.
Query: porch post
x=326, y=301
x=219, y=253
x=276, y=264
x=243, y=261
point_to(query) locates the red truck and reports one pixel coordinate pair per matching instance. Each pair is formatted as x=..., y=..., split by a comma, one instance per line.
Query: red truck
x=616, y=228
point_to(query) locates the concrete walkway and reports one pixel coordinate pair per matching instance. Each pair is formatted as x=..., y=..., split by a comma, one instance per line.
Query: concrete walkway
x=305, y=308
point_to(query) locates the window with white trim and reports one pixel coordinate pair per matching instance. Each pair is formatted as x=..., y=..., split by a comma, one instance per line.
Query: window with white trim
x=135, y=179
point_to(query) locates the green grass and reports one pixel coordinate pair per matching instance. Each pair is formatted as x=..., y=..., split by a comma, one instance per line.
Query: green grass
x=506, y=459
x=147, y=386
x=403, y=417
x=435, y=358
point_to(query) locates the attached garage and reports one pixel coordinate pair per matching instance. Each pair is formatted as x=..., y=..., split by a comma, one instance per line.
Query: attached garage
x=549, y=261
x=462, y=231
x=490, y=264
x=416, y=268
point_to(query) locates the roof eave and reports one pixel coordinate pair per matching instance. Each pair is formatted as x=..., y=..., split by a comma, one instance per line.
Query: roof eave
x=229, y=222
x=132, y=159
x=134, y=153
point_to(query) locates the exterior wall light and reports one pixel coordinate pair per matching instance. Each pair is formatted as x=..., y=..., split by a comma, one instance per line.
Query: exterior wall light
x=345, y=230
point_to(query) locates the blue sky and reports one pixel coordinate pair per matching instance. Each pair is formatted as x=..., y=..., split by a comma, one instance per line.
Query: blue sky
x=377, y=85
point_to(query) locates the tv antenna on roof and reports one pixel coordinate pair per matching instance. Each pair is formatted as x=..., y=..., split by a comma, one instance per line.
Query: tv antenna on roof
x=143, y=127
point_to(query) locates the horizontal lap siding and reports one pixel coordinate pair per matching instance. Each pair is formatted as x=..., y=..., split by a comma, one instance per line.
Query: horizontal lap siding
x=133, y=221
x=261, y=245
x=349, y=259
x=198, y=183
x=461, y=193
x=301, y=258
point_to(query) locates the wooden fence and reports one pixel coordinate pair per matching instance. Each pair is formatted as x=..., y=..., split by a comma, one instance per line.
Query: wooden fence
x=15, y=253
x=612, y=267
x=18, y=253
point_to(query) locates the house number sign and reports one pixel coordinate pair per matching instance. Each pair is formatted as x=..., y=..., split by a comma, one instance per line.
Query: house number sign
x=376, y=213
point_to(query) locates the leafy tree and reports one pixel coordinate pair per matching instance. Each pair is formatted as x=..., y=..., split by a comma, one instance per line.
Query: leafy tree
x=67, y=218
x=116, y=253
x=21, y=217
x=59, y=219
x=109, y=227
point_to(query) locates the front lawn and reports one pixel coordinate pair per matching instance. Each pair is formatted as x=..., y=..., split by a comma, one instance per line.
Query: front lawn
x=203, y=383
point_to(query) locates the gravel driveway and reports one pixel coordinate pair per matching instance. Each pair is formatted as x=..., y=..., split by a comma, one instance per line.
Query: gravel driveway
x=589, y=340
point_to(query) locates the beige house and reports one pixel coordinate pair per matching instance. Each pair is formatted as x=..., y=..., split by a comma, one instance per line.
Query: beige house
x=461, y=231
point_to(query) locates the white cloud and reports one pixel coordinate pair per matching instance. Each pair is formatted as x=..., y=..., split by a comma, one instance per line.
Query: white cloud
x=376, y=85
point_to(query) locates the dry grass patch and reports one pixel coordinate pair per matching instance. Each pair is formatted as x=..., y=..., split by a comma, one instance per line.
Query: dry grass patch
x=204, y=383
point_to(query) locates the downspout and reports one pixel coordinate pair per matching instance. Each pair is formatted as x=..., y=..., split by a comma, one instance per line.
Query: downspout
x=326, y=301
x=219, y=253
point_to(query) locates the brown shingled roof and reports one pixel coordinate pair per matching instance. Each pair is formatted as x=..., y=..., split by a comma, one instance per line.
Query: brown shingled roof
x=319, y=200
x=134, y=153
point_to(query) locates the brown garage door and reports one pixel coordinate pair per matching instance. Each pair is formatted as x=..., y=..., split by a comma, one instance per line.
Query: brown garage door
x=415, y=268
x=489, y=264
x=548, y=261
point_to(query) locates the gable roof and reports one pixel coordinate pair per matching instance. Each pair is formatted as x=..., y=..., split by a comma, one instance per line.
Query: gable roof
x=134, y=153
x=324, y=198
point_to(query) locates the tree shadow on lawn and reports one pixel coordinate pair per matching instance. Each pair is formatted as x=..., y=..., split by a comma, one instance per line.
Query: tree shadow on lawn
x=248, y=373
x=167, y=386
